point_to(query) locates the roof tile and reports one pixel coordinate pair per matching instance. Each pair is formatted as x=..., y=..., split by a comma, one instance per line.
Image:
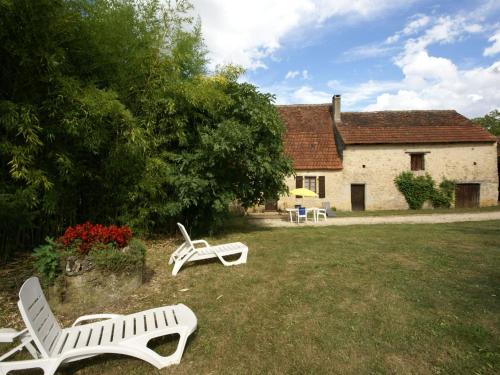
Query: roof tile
x=309, y=137
x=409, y=127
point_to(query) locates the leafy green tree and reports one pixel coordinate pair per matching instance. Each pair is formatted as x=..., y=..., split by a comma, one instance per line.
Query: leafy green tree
x=108, y=114
x=490, y=122
x=214, y=141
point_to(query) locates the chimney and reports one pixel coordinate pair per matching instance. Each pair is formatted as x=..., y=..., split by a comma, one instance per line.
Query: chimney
x=336, y=109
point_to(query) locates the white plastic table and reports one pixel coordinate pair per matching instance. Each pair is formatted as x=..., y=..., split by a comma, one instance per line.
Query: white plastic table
x=314, y=210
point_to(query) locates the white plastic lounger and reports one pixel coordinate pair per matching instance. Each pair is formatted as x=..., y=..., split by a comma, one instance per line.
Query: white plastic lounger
x=51, y=346
x=188, y=252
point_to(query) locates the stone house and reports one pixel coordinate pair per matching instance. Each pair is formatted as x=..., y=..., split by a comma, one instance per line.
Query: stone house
x=351, y=158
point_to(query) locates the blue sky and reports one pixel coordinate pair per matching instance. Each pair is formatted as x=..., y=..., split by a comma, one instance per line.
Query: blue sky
x=385, y=54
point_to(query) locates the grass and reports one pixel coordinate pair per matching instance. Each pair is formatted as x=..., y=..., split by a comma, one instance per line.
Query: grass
x=417, y=212
x=378, y=299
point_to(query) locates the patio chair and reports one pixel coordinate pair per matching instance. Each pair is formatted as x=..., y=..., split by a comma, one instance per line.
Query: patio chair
x=188, y=252
x=329, y=211
x=301, y=213
x=321, y=212
x=51, y=346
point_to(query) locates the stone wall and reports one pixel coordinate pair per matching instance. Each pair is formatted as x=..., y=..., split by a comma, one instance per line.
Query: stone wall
x=376, y=166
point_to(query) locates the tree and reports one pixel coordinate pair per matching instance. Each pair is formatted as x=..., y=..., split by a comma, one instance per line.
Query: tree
x=215, y=141
x=490, y=122
x=108, y=114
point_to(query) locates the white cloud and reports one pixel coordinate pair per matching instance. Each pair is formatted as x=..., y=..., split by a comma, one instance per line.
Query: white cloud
x=417, y=22
x=495, y=47
x=473, y=93
x=365, y=52
x=246, y=32
x=295, y=73
x=292, y=74
x=433, y=82
x=353, y=96
x=443, y=30
x=307, y=95
x=429, y=81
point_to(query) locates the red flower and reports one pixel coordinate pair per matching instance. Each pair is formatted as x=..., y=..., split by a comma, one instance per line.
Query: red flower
x=89, y=234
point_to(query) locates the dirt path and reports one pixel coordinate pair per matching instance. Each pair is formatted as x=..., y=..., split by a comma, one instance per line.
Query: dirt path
x=396, y=219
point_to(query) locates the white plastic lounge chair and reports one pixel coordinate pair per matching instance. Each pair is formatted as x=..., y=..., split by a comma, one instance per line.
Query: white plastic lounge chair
x=188, y=252
x=51, y=345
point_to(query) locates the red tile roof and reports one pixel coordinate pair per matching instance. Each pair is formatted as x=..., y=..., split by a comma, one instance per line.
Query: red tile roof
x=409, y=127
x=309, y=139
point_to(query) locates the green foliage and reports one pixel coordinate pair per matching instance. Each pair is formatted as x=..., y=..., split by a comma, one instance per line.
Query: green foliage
x=490, y=122
x=47, y=260
x=418, y=189
x=107, y=114
x=444, y=196
x=107, y=257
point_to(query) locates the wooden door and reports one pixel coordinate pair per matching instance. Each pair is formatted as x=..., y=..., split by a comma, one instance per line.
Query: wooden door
x=271, y=205
x=358, y=197
x=467, y=195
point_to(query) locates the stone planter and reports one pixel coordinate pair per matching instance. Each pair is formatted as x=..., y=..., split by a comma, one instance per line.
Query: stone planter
x=92, y=288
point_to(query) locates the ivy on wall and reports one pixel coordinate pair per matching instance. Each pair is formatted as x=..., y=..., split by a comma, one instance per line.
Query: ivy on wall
x=419, y=189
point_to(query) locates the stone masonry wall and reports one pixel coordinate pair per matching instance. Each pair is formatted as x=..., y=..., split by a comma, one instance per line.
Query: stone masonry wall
x=376, y=166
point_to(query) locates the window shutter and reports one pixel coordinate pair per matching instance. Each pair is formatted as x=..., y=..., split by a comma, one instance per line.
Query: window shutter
x=417, y=162
x=298, y=184
x=321, y=187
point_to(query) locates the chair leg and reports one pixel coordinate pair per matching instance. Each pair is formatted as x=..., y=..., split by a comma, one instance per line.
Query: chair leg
x=157, y=360
x=48, y=366
x=240, y=260
x=177, y=266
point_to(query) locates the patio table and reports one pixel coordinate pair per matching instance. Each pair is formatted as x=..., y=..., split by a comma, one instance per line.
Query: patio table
x=314, y=210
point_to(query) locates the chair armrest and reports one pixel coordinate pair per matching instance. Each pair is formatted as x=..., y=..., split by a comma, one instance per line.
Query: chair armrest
x=9, y=334
x=95, y=317
x=200, y=241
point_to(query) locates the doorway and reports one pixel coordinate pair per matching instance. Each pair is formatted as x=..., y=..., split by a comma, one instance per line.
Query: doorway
x=358, y=197
x=467, y=195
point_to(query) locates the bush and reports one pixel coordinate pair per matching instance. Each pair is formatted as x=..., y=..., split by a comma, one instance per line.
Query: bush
x=107, y=257
x=47, y=260
x=418, y=189
x=87, y=235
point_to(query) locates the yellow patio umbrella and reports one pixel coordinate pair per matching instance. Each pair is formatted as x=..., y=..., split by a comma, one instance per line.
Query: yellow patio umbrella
x=304, y=192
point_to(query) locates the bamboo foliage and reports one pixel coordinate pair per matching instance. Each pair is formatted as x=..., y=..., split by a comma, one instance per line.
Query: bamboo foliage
x=108, y=113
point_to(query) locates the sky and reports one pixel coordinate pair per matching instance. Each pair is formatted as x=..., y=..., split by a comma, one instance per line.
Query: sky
x=377, y=54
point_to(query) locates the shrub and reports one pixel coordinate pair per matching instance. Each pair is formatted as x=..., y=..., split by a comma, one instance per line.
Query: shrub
x=444, y=196
x=47, y=260
x=107, y=257
x=418, y=189
x=87, y=234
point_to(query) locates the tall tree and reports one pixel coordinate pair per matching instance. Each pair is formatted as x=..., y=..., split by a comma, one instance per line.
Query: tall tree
x=108, y=113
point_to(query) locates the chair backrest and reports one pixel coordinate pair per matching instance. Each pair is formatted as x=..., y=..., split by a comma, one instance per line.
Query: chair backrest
x=185, y=234
x=38, y=317
x=302, y=211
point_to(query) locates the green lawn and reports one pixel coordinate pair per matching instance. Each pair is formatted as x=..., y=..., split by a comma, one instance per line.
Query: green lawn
x=418, y=212
x=377, y=299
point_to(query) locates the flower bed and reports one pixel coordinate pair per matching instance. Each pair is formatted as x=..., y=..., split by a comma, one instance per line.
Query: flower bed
x=91, y=257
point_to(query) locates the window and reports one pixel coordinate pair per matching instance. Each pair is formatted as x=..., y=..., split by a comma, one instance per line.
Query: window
x=310, y=183
x=417, y=162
